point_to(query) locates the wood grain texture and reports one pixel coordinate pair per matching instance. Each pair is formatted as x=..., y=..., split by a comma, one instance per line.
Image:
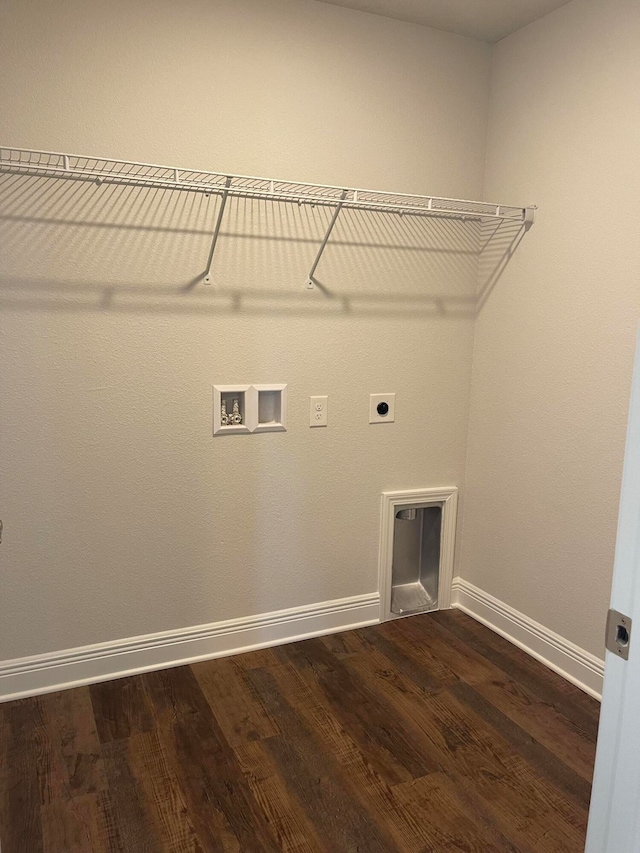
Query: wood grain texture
x=424, y=734
x=20, y=797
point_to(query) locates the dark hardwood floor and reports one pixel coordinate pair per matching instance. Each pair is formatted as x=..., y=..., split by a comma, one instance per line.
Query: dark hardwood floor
x=423, y=734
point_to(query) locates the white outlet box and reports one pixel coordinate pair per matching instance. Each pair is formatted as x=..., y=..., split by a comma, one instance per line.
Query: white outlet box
x=260, y=408
x=224, y=399
x=318, y=411
x=377, y=412
x=272, y=408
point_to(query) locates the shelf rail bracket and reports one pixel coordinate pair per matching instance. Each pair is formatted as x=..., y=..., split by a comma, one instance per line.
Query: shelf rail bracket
x=529, y=216
x=216, y=232
x=334, y=218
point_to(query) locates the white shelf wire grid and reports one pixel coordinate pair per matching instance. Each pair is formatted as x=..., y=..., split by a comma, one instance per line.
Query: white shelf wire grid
x=101, y=170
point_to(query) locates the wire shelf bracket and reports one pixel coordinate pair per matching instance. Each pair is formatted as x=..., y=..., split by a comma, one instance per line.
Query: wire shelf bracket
x=214, y=240
x=101, y=170
x=334, y=219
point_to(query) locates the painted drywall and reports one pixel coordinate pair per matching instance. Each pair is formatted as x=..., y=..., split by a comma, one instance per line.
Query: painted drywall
x=555, y=336
x=488, y=20
x=122, y=514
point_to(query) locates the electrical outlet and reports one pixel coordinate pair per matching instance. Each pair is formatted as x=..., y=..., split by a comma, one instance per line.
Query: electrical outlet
x=382, y=408
x=318, y=411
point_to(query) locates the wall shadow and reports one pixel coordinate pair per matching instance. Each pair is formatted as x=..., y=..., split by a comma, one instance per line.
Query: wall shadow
x=75, y=246
x=499, y=246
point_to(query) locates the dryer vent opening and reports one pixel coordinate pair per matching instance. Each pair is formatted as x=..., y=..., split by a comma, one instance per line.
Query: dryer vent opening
x=417, y=546
x=415, y=572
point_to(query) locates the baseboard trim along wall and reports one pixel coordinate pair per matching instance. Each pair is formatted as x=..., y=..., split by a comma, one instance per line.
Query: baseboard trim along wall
x=579, y=667
x=45, y=673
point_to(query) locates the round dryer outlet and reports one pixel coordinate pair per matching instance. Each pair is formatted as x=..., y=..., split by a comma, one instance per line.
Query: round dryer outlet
x=382, y=408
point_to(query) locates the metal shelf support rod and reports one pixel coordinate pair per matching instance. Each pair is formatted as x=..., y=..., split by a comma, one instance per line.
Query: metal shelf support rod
x=223, y=201
x=334, y=218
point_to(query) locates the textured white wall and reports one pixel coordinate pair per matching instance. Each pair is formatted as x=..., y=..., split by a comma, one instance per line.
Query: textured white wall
x=555, y=337
x=123, y=515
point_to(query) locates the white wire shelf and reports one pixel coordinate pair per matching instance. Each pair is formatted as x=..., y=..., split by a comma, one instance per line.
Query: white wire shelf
x=103, y=170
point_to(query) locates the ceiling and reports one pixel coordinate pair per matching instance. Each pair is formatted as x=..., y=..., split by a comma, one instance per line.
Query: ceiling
x=487, y=20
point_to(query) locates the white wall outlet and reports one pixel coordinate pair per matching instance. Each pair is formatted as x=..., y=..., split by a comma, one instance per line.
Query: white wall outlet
x=382, y=408
x=318, y=411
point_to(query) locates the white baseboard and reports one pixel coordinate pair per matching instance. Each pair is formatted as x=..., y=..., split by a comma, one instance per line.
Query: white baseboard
x=73, y=667
x=579, y=667
x=30, y=676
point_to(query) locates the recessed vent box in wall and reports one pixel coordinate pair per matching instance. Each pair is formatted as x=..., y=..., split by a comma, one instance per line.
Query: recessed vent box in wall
x=416, y=551
x=415, y=568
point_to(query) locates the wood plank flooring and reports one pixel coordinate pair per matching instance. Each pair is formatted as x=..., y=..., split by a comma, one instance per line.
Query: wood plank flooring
x=423, y=734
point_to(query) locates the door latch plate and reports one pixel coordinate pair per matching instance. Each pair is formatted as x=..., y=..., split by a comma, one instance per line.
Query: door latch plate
x=618, y=637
